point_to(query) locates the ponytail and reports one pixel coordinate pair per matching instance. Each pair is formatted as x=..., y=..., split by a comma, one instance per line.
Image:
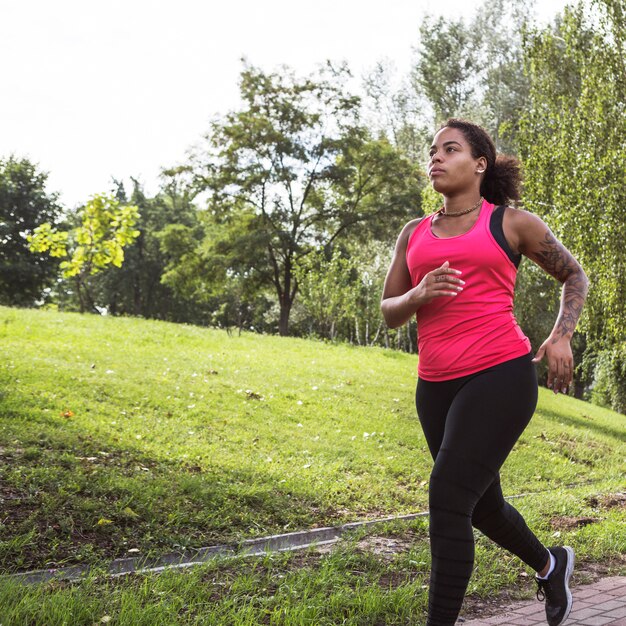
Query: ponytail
x=502, y=181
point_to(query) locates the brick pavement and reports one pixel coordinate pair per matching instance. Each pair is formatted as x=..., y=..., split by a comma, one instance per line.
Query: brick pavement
x=601, y=604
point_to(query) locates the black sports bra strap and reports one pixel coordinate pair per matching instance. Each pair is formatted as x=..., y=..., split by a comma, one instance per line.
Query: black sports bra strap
x=495, y=226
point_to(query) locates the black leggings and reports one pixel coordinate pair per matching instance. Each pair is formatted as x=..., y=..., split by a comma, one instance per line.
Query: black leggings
x=471, y=424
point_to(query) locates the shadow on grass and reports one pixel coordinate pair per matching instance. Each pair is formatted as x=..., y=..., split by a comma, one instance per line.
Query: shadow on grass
x=587, y=423
x=71, y=497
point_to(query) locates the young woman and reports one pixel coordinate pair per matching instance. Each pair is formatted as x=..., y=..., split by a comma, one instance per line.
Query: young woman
x=477, y=385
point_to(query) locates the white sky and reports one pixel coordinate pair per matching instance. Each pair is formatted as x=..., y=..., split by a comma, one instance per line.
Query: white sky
x=91, y=90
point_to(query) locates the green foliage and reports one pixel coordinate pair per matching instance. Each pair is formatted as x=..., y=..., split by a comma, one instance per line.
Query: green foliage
x=326, y=291
x=105, y=228
x=572, y=145
x=136, y=288
x=475, y=69
x=341, y=295
x=431, y=200
x=294, y=170
x=396, y=111
x=24, y=205
x=503, y=87
x=213, y=266
x=446, y=65
x=609, y=387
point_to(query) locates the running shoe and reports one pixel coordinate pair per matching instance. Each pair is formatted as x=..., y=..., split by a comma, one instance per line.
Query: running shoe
x=555, y=589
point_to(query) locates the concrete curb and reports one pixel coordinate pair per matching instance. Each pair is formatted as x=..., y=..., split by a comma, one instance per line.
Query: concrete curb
x=250, y=547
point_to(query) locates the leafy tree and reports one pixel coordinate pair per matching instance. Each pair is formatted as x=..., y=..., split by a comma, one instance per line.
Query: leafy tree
x=341, y=295
x=296, y=170
x=24, y=205
x=575, y=158
x=502, y=85
x=446, y=66
x=105, y=228
x=213, y=266
x=475, y=70
x=327, y=292
x=136, y=287
x=396, y=111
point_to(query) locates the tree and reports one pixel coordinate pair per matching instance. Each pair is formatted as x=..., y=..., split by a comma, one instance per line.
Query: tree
x=340, y=295
x=298, y=170
x=105, y=228
x=24, y=205
x=213, y=266
x=446, y=66
x=572, y=145
x=502, y=85
x=136, y=287
x=475, y=70
x=396, y=111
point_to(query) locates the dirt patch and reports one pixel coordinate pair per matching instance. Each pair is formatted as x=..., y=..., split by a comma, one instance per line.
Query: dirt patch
x=608, y=500
x=571, y=523
x=385, y=547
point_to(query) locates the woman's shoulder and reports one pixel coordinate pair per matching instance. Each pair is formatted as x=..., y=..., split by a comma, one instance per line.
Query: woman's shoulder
x=409, y=229
x=521, y=226
x=520, y=218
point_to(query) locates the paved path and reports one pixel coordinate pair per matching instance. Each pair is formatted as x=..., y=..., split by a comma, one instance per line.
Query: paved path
x=601, y=604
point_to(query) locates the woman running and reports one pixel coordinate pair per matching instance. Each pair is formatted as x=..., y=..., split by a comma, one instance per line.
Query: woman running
x=477, y=385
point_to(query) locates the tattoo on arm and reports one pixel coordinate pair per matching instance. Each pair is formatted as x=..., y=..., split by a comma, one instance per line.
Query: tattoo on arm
x=554, y=258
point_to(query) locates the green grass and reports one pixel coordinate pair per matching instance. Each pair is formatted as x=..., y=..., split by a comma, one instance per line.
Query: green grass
x=355, y=584
x=183, y=437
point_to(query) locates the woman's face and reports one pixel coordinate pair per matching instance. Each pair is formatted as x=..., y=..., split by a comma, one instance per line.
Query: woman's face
x=452, y=169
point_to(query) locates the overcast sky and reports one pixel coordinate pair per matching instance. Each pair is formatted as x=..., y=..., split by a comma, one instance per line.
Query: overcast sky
x=94, y=90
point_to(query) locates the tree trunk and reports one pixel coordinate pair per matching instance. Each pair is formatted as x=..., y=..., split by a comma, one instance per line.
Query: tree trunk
x=137, y=308
x=373, y=342
x=286, y=296
x=80, y=295
x=285, y=310
x=84, y=295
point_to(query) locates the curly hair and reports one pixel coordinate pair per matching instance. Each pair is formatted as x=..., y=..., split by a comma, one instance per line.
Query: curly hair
x=503, y=176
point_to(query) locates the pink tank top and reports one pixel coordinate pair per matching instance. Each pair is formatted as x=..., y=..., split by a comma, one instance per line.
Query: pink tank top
x=463, y=334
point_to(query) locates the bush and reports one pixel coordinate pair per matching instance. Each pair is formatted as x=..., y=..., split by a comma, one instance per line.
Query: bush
x=609, y=385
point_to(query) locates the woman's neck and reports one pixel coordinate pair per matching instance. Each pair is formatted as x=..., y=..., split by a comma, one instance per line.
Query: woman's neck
x=454, y=204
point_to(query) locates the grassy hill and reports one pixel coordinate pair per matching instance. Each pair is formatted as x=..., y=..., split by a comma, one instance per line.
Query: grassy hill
x=122, y=434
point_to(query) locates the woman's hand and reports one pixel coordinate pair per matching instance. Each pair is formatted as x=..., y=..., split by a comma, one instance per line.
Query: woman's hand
x=533, y=238
x=400, y=300
x=443, y=281
x=560, y=363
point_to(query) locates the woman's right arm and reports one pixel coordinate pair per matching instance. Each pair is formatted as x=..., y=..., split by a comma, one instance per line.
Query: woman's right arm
x=400, y=300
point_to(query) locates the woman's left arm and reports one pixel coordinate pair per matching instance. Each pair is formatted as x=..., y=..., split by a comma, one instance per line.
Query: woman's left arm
x=535, y=240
